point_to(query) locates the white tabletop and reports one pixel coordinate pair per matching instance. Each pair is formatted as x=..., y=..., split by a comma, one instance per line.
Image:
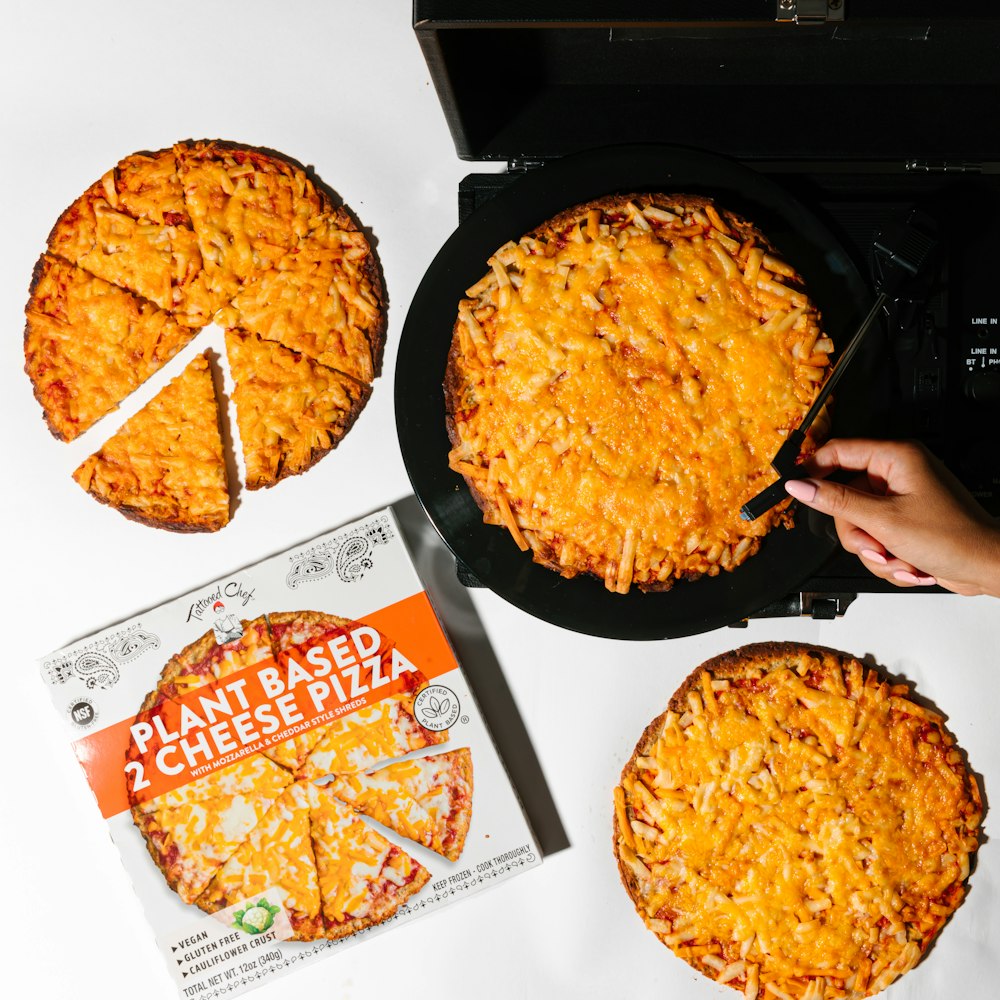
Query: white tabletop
x=342, y=86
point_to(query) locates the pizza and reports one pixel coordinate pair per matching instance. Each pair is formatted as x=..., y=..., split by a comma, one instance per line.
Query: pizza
x=427, y=799
x=276, y=823
x=795, y=824
x=619, y=382
x=165, y=466
x=291, y=410
x=170, y=241
x=78, y=324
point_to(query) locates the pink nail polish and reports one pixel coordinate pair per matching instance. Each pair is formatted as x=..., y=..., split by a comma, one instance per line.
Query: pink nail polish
x=801, y=489
x=905, y=576
x=872, y=556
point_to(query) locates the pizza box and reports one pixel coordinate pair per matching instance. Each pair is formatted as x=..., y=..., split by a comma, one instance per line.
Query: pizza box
x=294, y=749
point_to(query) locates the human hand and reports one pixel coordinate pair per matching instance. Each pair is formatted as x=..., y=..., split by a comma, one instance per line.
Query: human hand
x=905, y=516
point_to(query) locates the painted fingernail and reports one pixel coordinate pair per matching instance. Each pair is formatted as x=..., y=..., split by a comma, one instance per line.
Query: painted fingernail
x=801, y=489
x=920, y=579
x=872, y=556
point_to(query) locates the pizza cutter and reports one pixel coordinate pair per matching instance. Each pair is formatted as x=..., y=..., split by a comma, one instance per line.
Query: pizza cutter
x=903, y=252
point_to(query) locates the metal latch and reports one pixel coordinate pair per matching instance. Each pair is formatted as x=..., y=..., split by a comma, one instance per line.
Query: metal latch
x=943, y=167
x=820, y=607
x=809, y=11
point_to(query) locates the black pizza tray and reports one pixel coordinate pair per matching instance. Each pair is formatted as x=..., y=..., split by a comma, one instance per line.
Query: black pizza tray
x=786, y=557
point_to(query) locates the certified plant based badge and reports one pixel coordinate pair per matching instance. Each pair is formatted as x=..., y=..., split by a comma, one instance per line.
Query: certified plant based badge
x=436, y=708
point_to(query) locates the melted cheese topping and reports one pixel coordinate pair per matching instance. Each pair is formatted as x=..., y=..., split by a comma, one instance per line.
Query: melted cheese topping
x=132, y=229
x=89, y=344
x=291, y=410
x=357, y=866
x=165, y=465
x=277, y=854
x=195, y=839
x=248, y=209
x=425, y=799
x=318, y=300
x=248, y=775
x=368, y=736
x=802, y=832
x=619, y=386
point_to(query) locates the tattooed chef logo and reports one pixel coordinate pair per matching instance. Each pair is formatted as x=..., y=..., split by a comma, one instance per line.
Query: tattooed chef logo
x=227, y=628
x=436, y=708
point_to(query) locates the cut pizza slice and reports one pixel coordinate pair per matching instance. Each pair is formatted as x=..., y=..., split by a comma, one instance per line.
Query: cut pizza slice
x=165, y=466
x=276, y=860
x=189, y=843
x=89, y=344
x=426, y=799
x=322, y=300
x=291, y=410
x=251, y=775
x=378, y=732
x=363, y=878
x=296, y=632
x=118, y=231
x=248, y=207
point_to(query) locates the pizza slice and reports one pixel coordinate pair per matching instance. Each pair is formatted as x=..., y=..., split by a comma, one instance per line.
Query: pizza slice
x=323, y=299
x=117, y=231
x=165, y=466
x=252, y=775
x=276, y=861
x=426, y=799
x=190, y=842
x=291, y=410
x=370, y=735
x=297, y=631
x=363, y=878
x=89, y=344
x=248, y=207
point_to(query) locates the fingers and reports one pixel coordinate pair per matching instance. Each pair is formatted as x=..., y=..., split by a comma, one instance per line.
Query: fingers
x=883, y=461
x=862, y=509
x=877, y=560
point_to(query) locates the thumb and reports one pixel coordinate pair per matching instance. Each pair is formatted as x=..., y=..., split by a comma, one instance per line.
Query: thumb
x=863, y=509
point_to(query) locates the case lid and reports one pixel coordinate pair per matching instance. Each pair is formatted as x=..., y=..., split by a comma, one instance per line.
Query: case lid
x=850, y=79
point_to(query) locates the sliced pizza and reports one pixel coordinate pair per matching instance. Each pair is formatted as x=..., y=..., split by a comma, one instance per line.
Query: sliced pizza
x=250, y=775
x=378, y=732
x=248, y=207
x=291, y=410
x=297, y=631
x=165, y=466
x=426, y=799
x=190, y=842
x=120, y=230
x=88, y=344
x=276, y=861
x=363, y=878
x=323, y=299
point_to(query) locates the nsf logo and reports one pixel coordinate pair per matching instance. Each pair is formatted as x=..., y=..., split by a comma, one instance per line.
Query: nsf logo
x=82, y=712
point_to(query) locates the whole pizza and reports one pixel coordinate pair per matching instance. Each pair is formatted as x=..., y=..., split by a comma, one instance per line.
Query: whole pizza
x=795, y=824
x=621, y=378
x=165, y=243
x=287, y=823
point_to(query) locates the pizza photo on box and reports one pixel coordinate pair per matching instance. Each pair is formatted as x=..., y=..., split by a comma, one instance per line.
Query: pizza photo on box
x=288, y=821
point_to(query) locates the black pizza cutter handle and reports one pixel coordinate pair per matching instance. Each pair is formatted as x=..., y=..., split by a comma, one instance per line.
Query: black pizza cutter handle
x=902, y=254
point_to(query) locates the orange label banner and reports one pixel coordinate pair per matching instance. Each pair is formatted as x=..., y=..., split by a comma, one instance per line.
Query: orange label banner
x=184, y=738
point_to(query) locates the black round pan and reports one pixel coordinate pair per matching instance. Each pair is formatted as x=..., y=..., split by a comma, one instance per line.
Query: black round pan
x=583, y=604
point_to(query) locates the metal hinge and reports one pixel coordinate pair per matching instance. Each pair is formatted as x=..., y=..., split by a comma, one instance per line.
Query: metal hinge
x=809, y=11
x=821, y=607
x=943, y=167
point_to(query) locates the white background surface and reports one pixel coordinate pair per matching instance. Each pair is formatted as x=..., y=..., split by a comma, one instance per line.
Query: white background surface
x=342, y=86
